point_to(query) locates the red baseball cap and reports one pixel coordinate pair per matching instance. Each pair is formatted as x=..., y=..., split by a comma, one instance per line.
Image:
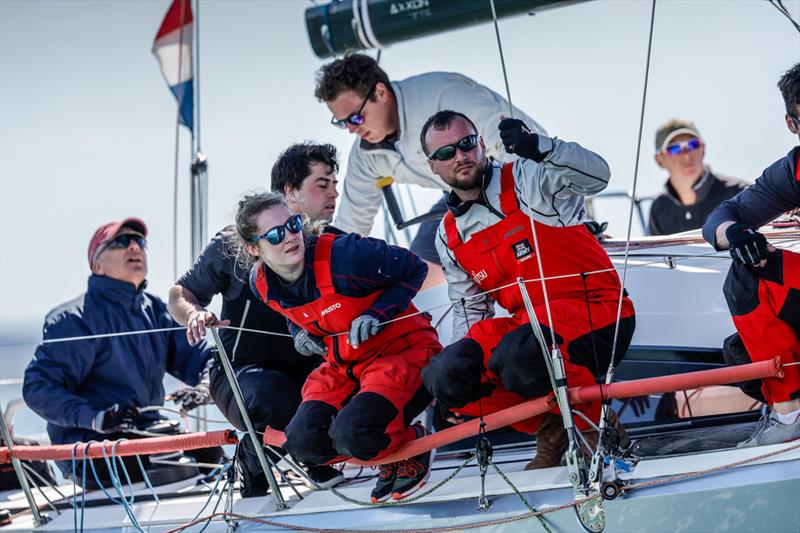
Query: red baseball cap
x=108, y=231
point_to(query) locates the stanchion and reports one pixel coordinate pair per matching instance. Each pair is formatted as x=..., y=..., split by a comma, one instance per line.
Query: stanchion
x=259, y=448
x=38, y=517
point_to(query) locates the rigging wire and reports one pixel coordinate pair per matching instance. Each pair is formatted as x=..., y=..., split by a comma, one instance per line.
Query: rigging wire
x=610, y=372
x=778, y=4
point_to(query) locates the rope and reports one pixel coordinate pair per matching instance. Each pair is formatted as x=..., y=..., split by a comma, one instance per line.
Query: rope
x=179, y=412
x=610, y=371
x=676, y=259
x=499, y=521
x=525, y=502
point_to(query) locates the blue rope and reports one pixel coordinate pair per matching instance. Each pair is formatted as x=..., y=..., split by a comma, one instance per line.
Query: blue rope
x=222, y=473
x=219, y=499
x=115, y=481
x=147, y=480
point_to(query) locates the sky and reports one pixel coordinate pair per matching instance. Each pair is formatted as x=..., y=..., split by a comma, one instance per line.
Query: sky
x=87, y=124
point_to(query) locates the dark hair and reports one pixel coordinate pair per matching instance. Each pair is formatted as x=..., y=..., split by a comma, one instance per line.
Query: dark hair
x=294, y=164
x=441, y=120
x=353, y=72
x=245, y=222
x=789, y=84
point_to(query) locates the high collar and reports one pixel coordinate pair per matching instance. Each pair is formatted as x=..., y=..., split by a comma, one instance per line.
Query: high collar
x=116, y=290
x=702, y=187
x=458, y=206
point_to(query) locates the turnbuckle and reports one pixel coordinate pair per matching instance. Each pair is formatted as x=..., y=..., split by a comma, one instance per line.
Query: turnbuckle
x=483, y=453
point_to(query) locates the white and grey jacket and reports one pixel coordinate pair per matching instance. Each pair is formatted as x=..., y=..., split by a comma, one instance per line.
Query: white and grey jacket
x=551, y=192
x=418, y=97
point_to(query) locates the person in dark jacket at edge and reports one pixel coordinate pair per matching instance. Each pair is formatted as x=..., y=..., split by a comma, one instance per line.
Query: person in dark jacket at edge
x=486, y=243
x=92, y=389
x=692, y=191
x=763, y=285
x=269, y=370
x=338, y=293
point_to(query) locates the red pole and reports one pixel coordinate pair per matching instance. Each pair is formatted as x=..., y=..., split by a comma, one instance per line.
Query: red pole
x=517, y=413
x=170, y=443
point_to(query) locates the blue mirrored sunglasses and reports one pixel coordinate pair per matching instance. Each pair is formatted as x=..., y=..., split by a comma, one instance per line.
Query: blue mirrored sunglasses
x=689, y=145
x=465, y=144
x=276, y=235
x=356, y=119
x=124, y=240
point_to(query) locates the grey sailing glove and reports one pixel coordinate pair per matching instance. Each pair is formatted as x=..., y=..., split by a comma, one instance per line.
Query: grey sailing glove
x=362, y=329
x=307, y=344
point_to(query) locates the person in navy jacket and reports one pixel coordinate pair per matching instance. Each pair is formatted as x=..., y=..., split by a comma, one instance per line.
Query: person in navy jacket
x=348, y=299
x=91, y=389
x=763, y=285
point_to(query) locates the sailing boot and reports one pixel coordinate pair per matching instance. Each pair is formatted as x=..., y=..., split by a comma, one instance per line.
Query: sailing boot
x=325, y=476
x=551, y=443
x=383, y=488
x=414, y=472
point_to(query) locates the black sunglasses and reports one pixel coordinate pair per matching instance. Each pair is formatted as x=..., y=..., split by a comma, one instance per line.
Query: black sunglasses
x=356, y=119
x=449, y=151
x=276, y=235
x=124, y=240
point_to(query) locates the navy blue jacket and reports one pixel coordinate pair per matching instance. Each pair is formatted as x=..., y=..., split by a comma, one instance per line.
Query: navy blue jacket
x=776, y=191
x=360, y=266
x=68, y=383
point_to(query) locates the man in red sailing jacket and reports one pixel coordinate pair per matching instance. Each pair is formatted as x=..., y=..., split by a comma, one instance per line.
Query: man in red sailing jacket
x=486, y=243
x=763, y=285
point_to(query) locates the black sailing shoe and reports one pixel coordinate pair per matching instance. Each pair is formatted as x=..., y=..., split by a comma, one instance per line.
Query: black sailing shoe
x=325, y=476
x=412, y=473
x=383, y=488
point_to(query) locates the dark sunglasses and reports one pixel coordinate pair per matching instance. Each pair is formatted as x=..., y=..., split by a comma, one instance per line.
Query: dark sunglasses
x=356, y=119
x=449, y=152
x=276, y=235
x=123, y=241
x=689, y=145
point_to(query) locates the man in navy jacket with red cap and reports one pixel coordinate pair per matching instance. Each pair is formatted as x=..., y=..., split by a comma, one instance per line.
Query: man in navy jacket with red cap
x=91, y=389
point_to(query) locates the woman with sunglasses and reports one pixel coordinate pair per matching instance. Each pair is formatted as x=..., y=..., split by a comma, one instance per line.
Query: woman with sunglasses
x=347, y=298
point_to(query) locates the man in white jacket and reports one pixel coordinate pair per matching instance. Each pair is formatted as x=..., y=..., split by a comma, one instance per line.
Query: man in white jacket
x=387, y=116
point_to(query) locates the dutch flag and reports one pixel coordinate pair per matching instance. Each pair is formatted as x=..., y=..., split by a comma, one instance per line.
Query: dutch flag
x=173, y=48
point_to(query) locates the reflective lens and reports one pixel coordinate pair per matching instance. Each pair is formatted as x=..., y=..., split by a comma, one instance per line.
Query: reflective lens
x=123, y=241
x=689, y=145
x=356, y=119
x=449, y=151
x=276, y=235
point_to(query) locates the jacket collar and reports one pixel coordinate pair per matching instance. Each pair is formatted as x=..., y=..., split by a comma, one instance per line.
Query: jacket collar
x=702, y=187
x=116, y=290
x=459, y=207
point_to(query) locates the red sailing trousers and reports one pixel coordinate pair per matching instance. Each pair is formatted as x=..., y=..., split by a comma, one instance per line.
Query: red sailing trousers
x=765, y=306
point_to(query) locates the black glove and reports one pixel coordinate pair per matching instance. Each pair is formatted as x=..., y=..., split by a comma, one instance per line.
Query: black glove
x=747, y=247
x=639, y=405
x=518, y=139
x=190, y=398
x=115, y=418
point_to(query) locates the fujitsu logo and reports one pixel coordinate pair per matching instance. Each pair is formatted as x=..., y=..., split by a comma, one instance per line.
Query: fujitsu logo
x=479, y=276
x=334, y=307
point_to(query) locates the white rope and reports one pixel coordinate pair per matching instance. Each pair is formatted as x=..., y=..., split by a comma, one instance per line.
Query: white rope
x=610, y=372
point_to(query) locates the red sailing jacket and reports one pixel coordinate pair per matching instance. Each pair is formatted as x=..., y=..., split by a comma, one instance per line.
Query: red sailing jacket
x=329, y=316
x=499, y=254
